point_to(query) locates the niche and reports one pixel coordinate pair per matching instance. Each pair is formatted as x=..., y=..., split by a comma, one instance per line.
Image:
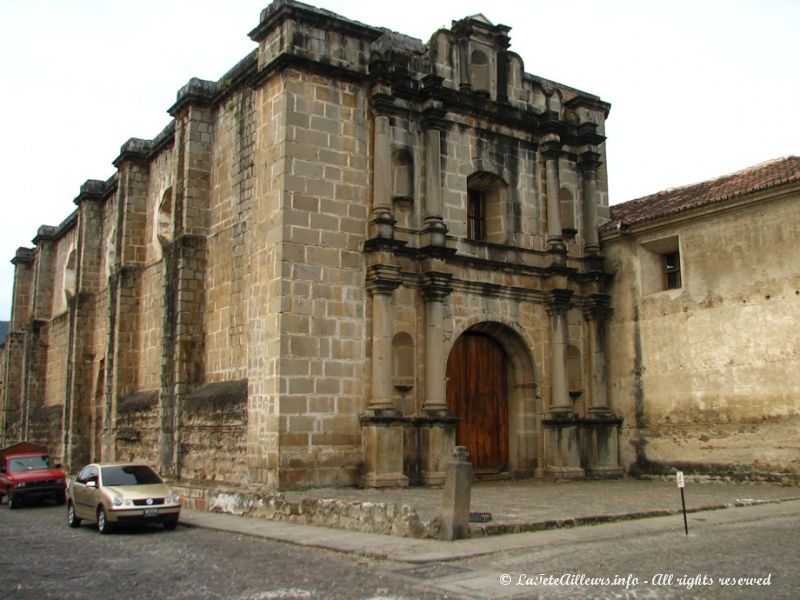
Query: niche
x=403, y=362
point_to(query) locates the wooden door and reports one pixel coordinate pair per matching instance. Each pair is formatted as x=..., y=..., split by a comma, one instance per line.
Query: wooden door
x=476, y=392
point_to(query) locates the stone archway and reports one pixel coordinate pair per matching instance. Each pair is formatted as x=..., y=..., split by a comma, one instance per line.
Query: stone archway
x=491, y=387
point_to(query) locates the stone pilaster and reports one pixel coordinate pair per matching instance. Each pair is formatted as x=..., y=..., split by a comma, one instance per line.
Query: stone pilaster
x=77, y=401
x=13, y=366
x=551, y=151
x=589, y=164
x=560, y=401
x=182, y=368
x=603, y=425
x=563, y=436
x=596, y=313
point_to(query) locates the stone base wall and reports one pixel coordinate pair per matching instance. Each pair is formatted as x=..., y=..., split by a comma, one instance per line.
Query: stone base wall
x=386, y=518
x=44, y=428
x=214, y=433
x=137, y=429
x=756, y=451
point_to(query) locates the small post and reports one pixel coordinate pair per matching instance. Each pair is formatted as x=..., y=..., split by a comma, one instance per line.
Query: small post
x=681, y=485
x=457, y=489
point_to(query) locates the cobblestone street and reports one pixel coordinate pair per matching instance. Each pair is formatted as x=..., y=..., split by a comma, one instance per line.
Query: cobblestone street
x=53, y=561
x=747, y=552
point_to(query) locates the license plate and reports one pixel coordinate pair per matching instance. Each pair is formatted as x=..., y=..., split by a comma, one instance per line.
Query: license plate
x=150, y=512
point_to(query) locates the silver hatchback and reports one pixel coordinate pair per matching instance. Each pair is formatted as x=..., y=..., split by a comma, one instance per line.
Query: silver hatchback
x=112, y=494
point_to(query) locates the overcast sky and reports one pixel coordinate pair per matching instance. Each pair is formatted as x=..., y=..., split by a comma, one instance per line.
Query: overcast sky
x=698, y=88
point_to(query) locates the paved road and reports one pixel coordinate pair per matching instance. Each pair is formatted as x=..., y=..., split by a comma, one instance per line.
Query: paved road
x=650, y=558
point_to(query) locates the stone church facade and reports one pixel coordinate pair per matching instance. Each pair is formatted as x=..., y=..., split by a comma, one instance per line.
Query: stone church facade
x=347, y=255
x=351, y=251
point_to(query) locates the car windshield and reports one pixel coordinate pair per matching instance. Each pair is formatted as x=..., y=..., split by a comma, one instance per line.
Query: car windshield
x=129, y=475
x=29, y=463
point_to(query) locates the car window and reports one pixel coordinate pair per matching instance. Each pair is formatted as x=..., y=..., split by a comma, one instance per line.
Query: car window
x=29, y=463
x=87, y=474
x=129, y=475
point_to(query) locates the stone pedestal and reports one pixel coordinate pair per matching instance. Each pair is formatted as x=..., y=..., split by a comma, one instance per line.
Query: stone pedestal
x=604, y=457
x=382, y=437
x=456, y=499
x=437, y=437
x=563, y=448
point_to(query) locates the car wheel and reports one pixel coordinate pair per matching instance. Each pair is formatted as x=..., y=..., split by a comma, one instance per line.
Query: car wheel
x=61, y=497
x=13, y=501
x=72, y=519
x=170, y=524
x=103, y=526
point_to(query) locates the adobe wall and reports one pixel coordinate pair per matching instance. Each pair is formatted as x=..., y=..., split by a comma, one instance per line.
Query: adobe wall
x=706, y=375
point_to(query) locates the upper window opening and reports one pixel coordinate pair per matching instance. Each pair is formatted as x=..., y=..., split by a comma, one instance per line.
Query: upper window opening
x=660, y=263
x=672, y=270
x=476, y=215
x=487, y=218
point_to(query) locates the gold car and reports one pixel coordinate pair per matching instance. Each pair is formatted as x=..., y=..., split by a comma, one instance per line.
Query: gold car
x=118, y=493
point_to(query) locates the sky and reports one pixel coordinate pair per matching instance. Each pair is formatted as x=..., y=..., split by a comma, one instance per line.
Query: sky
x=698, y=88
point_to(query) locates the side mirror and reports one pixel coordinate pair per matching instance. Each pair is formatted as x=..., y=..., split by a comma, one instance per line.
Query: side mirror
x=2, y=469
x=91, y=483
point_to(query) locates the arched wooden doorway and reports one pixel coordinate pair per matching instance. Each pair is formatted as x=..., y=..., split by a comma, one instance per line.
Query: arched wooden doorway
x=477, y=393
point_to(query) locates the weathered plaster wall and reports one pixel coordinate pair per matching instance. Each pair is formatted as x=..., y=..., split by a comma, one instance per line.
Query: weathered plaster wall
x=706, y=374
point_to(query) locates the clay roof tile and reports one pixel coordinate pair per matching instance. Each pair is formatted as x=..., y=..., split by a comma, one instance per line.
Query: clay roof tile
x=752, y=179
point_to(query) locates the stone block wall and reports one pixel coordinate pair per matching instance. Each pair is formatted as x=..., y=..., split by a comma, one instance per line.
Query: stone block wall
x=44, y=426
x=325, y=206
x=56, y=366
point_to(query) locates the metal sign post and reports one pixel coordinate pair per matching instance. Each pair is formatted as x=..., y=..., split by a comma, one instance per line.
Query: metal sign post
x=681, y=485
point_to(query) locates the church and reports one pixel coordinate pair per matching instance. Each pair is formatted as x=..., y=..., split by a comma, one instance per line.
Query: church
x=355, y=251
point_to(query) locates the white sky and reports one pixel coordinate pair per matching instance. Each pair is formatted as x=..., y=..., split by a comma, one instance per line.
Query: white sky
x=698, y=88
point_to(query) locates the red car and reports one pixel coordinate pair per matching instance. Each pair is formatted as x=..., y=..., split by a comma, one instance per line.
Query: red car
x=26, y=472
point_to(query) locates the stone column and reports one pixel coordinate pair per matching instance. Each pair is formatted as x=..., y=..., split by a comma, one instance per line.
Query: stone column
x=589, y=164
x=381, y=219
x=436, y=287
x=437, y=426
x=435, y=230
x=383, y=425
x=563, y=441
x=551, y=150
x=382, y=281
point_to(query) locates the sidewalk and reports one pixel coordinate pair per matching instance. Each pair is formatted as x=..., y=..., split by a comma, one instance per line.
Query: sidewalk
x=516, y=506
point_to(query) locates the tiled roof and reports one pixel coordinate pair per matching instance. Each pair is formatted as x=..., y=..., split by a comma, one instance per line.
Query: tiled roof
x=759, y=177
